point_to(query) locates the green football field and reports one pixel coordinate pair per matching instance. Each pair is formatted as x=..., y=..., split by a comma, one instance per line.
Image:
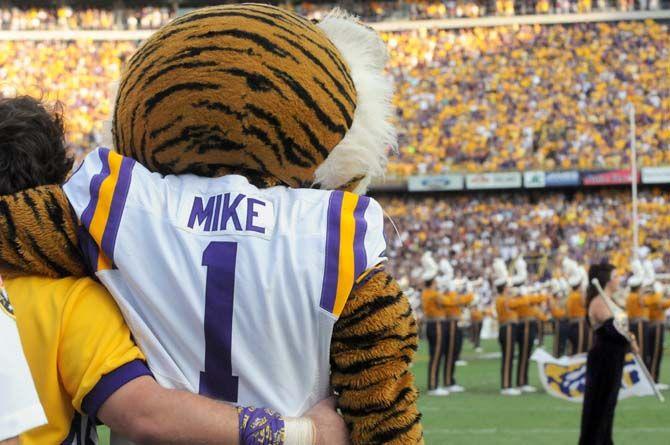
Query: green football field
x=482, y=416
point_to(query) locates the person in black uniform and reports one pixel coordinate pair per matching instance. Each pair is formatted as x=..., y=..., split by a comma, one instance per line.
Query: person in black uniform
x=604, y=363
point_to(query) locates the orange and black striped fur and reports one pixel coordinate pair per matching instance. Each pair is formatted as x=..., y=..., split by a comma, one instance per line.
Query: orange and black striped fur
x=38, y=234
x=373, y=344
x=248, y=89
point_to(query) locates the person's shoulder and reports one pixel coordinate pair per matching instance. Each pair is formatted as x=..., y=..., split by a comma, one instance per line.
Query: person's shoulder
x=40, y=296
x=28, y=286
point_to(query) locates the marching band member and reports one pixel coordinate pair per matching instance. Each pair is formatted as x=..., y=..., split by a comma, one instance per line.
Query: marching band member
x=526, y=335
x=657, y=333
x=468, y=300
x=560, y=317
x=650, y=299
x=452, y=303
x=637, y=307
x=505, y=307
x=576, y=308
x=540, y=315
x=476, y=322
x=435, y=324
x=414, y=301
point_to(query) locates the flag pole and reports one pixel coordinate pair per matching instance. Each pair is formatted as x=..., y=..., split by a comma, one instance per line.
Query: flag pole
x=633, y=175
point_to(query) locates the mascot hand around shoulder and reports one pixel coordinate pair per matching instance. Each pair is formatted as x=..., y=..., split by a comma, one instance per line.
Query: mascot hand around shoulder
x=261, y=92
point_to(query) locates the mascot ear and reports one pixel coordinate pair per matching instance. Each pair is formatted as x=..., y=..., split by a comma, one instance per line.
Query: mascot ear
x=38, y=234
x=362, y=154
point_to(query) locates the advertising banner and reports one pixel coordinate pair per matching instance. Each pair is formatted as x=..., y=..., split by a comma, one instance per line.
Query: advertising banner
x=435, y=183
x=656, y=175
x=568, y=178
x=534, y=179
x=483, y=181
x=607, y=177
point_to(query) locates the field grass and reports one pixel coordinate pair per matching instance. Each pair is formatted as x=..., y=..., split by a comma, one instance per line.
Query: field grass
x=481, y=416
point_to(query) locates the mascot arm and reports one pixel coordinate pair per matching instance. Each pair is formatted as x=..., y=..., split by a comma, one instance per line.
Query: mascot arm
x=38, y=234
x=373, y=344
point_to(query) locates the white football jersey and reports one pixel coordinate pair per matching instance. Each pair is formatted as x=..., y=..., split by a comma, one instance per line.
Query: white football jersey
x=20, y=408
x=231, y=291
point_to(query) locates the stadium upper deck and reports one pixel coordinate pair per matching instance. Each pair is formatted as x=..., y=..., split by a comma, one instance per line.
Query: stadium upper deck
x=151, y=14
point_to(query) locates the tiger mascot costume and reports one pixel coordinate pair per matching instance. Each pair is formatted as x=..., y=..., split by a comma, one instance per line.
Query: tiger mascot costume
x=257, y=91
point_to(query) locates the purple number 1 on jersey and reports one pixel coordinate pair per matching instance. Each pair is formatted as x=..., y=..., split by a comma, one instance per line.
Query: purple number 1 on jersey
x=218, y=380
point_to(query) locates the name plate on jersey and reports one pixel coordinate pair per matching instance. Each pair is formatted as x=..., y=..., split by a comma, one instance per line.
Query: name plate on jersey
x=228, y=213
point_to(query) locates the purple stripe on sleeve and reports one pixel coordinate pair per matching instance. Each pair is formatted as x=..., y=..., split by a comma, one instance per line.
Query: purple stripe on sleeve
x=329, y=288
x=118, y=204
x=360, y=258
x=94, y=189
x=89, y=249
x=110, y=383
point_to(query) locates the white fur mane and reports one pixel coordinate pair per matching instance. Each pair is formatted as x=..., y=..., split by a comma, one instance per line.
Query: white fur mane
x=364, y=149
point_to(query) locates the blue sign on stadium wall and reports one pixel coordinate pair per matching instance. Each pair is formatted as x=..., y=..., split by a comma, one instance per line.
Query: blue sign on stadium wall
x=435, y=183
x=534, y=179
x=562, y=179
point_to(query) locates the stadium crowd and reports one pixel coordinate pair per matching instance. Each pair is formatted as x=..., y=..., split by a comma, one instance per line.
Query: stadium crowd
x=16, y=18
x=549, y=97
x=472, y=230
x=78, y=74
x=66, y=18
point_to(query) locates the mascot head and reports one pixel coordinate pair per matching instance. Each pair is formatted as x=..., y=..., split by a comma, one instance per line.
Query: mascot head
x=258, y=91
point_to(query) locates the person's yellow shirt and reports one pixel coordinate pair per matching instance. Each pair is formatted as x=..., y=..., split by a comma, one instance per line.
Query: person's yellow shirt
x=476, y=314
x=558, y=311
x=657, y=310
x=635, y=306
x=430, y=300
x=452, y=303
x=527, y=308
x=506, y=308
x=575, y=305
x=79, y=350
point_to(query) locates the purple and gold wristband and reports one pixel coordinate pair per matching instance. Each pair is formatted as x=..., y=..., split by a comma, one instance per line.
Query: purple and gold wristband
x=261, y=426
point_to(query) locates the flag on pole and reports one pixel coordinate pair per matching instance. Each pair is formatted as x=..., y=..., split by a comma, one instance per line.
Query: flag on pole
x=565, y=377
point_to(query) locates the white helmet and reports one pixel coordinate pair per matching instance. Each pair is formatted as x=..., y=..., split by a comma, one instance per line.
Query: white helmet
x=658, y=287
x=446, y=268
x=500, y=275
x=429, y=266
x=636, y=279
x=649, y=273
x=568, y=266
x=520, y=271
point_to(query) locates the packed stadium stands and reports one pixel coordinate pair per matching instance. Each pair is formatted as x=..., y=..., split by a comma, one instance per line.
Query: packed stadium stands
x=503, y=98
x=549, y=97
x=16, y=19
x=472, y=230
x=17, y=15
x=78, y=74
